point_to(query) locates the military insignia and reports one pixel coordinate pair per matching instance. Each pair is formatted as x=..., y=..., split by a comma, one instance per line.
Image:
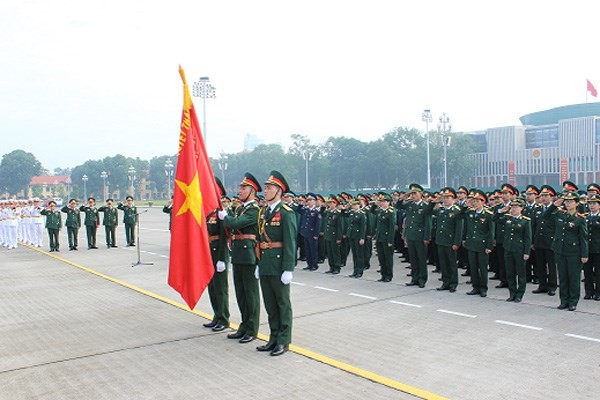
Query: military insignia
x=519, y=225
x=509, y=221
x=571, y=225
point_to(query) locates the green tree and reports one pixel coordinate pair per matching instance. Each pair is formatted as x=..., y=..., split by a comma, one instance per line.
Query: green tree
x=16, y=170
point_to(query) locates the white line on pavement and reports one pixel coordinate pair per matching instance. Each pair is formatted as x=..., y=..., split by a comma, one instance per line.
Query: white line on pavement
x=327, y=289
x=163, y=256
x=535, y=328
x=405, y=304
x=298, y=283
x=151, y=253
x=582, y=337
x=363, y=296
x=457, y=313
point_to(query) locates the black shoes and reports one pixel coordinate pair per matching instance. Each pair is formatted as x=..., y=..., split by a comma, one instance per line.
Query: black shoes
x=551, y=292
x=210, y=324
x=473, y=292
x=511, y=298
x=279, y=350
x=572, y=308
x=443, y=288
x=236, y=335
x=306, y=269
x=219, y=327
x=452, y=290
x=562, y=306
x=517, y=299
x=482, y=294
x=538, y=290
x=247, y=338
x=411, y=284
x=267, y=347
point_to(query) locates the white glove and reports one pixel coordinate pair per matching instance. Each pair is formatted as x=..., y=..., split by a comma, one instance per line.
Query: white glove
x=222, y=214
x=220, y=266
x=256, y=275
x=286, y=277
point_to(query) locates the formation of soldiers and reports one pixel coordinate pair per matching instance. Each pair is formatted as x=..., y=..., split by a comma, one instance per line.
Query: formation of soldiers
x=24, y=221
x=538, y=236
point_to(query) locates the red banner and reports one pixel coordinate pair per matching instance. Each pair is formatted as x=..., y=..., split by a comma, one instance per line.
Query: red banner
x=195, y=196
x=564, y=170
x=511, y=173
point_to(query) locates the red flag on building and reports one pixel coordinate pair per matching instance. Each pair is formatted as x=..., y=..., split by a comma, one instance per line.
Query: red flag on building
x=591, y=89
x=195, y=196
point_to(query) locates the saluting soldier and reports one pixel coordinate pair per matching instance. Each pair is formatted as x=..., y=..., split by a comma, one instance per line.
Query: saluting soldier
x=130, y=219
x=384, y=237
x=531, y=206
x=591, y=269
x=218, y=287
x=168, y=209
x=517, y=243
x=449, y=233
x=278, y=232
x=332, y=235
x=110, y=222
x=479, y=241
x=91, y=221
x=73, y=223
x=244, y=236
x=570, y=247
x=356, y=233
x=543, y=237
x=53, y=224
x=418, y=234
x=508, y=193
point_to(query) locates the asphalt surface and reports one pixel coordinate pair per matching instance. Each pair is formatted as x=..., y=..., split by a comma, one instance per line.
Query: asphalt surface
x=69, y=333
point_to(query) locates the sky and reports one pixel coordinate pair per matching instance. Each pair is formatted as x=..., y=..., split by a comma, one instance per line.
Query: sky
x=83, y=80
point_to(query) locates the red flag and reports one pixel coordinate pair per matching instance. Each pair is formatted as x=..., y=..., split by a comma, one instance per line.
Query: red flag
x=195, y=196
x=591, y=89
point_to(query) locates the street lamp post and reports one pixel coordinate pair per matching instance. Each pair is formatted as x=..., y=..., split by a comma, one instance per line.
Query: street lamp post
x=223, y=168
x=131, y=173
x=307, y=155
x=104, y=175
x=444, y=127
x=169, y=174
x=205, y=90
x=427, y=118
x=84, y=178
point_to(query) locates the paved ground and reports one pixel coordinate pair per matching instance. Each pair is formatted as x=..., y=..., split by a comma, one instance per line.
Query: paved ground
x=70, y=334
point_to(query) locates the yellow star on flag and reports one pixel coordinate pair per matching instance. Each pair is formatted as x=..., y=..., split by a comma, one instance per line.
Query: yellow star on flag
x=193, y=198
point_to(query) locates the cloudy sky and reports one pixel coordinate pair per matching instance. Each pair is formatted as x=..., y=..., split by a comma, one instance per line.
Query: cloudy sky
x=83, y=80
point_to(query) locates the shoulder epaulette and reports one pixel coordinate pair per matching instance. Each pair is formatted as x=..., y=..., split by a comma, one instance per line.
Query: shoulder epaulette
x=286, y=207
x=390, y=210
x=255, y=204
x=488, y=211
x=526, y=218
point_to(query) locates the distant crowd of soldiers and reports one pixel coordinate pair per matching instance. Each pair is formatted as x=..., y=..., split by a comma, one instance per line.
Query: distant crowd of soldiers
x=537, y=236
x=24, y=221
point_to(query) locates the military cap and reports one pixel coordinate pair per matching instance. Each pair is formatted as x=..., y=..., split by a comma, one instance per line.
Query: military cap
x=569, y=186
x=593, y=187
x=517, y=202
x=288, y=194
x=275, y=178
x=109, y=199
x=129, y=197
x=250, y=180
x=320, y=198
x=463, y=189
x=385, y=197
x=396, y=192
x=361, y=196
x=51, y=202
x=532, y=189
x=70, y=200
x=415, y=187
x=354, y=201
x=89, y=198
x=220, y=186
x=301, y=196
x=311, y=196
x=448, y=191
x=582, y=193
x=547, y=189
x=478, y=194
x=507, y=187
x=345, y=195
x=594, y=199
x=571, y=196
x=226, y=198
x=333, y=199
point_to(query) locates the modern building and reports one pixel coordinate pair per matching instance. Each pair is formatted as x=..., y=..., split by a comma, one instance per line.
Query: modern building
x=550, y=147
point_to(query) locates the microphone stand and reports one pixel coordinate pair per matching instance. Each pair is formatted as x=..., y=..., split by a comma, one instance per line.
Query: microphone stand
x=139, y=261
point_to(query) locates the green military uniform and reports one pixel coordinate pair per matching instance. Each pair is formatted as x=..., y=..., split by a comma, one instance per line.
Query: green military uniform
x=345, y=244
x=73, y=223
x=91, y=224
x=543, y=236
x=356, y=233
x=517, y=243
x=479, y=237
x=570, y=245
x=417, y=230
x=53, y=224
x=130, y=219
x=244, y=235
x=591, y=269
x=332, y=234
x=218, y=288
x=385, y=230
x=278, y=232
x=448, y=233
x=110, y=222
